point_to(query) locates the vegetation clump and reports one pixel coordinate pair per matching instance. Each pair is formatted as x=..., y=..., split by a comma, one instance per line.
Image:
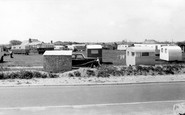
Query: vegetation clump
x=77, y=73
x=106, y=71
x=26, y=75
x=90, y=73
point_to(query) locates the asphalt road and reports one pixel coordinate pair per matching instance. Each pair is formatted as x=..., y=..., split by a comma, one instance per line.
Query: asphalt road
x=101, y=97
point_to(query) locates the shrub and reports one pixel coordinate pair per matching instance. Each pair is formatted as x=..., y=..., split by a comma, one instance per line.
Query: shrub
x=103, y=74
x=26, y=74
x=44, y=75
x=109, y=70
x=77, y=73
x=3, y=68
x=70, y=75
x=50, y=75
x=13, y=75
x=2, y=75
x=90, y=72
x=37, y=74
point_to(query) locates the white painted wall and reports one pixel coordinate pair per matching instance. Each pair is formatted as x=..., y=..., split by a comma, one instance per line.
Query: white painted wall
x=138, y=59
x=171, y=53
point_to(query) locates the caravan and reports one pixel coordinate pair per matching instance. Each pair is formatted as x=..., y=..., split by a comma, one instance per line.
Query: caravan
x=140, y=56
x=171, y=53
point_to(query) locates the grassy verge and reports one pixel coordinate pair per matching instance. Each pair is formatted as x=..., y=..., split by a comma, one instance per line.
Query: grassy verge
x=103, y=71
x=110, y=70
x=26, y=75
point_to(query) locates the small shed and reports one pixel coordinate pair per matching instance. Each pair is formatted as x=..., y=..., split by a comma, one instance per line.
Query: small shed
x=171, y=53
x=94, y=51
x=57, y=61
x=140, y=56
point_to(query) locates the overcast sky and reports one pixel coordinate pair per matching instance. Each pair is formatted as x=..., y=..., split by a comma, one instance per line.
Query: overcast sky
x=92, y=20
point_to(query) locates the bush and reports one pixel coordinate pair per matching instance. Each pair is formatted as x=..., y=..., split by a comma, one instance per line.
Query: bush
x=106, y=71
x=44, y=75
x=37, y=74
x=50, y=75
x=103, y=74
x=3, y=68
x=77, y=73
x=2, y=75
x=90, y=72
x=13, y=75
x=70, y=75
x=26, y=74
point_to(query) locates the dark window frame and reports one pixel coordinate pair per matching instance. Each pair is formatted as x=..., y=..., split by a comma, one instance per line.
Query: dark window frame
x=145, y=54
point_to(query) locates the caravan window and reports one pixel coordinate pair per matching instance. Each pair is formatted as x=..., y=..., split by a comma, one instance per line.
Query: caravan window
x=165, y=50
x=94, y=52
x=79, y=57
x=133, y=53
x=127, y=52
x=145, y=53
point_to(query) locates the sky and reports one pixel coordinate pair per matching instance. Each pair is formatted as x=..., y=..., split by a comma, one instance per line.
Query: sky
x=92, y=20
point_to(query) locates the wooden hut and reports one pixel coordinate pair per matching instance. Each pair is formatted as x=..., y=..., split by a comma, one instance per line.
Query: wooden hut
x=57, y=61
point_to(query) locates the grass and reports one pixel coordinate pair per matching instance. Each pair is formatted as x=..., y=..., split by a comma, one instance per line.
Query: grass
x=22, y=74
x=23, y=60
x=114, y=56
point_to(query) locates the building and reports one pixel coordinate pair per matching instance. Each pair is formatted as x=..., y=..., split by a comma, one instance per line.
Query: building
x=140, y=56
x=20, y=49
x=57, y=61
x=171, y=53
x=150, y=41
x=32, y=45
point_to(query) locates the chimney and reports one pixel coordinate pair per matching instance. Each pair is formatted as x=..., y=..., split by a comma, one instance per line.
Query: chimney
x=29, y=40
x=51, y=41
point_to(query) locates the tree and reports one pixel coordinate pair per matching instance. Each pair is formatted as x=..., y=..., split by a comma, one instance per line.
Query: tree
x=15, y=42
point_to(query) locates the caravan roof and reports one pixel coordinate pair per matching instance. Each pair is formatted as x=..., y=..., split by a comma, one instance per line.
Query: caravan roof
x=172, y=47
x=61, y=52
x=94, y=47
x=142, y=49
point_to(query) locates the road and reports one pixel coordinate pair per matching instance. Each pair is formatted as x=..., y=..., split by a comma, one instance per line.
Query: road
x=106, y=98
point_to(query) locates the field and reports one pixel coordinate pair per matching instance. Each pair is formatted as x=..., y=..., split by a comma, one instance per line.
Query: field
x=26, y=67
x=114, y=56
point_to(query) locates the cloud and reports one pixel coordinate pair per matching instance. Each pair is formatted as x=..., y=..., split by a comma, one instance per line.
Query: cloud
x=87, y=20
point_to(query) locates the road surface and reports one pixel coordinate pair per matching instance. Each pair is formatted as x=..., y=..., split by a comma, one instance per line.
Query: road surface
x=101, y=99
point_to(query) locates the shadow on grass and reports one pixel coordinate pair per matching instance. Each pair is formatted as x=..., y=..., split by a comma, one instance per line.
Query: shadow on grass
x=107, y=63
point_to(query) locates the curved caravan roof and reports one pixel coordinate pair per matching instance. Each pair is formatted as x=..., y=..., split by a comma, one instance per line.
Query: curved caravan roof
x=172, y=47
x=141, y=49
